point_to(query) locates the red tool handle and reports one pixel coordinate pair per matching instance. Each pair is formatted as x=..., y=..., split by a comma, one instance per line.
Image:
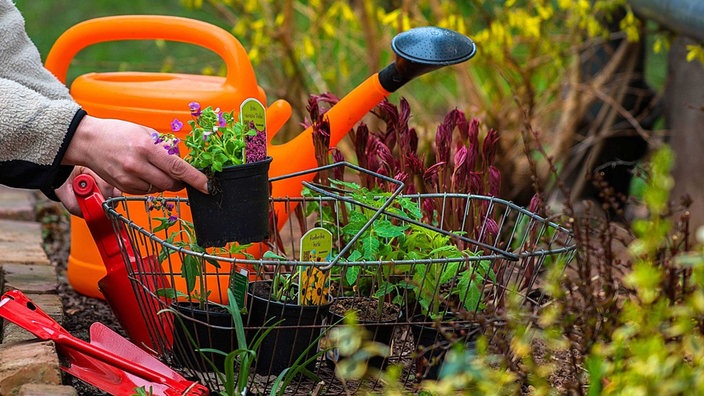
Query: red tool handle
x=118, y=255
x=20, y=310
x=90, y=200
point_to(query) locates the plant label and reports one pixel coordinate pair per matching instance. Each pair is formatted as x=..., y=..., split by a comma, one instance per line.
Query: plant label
x=252, y=110
x=239, y=282
x=316, y=247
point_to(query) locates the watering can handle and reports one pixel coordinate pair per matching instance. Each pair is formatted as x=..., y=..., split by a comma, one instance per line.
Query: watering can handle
x=154, y=27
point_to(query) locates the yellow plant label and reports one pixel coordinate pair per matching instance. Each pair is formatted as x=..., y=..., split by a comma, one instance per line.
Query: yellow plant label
x=316, y=246
x=252, y=110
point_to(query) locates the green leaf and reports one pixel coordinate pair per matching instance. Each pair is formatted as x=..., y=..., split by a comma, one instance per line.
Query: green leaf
x=386, y=229
x=169, y=293
x=355, y=255
x=411, y=208
x=596, y=369
x=349, y=185
x=370, y=248
x=190, y=270
x=352, y=274
x=449, y=271
x=164, y=224
x=269, y=255
x=356, y=221
x=468, y=290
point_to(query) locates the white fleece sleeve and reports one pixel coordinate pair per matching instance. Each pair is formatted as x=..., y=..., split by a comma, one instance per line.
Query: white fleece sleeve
x=32, y=127
x=19, y=58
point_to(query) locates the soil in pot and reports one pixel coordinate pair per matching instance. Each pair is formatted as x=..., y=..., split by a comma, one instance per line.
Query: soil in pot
x=300, y=328
x=211, y=328
x=434, y=339
x=237, y=208
x=379, y=324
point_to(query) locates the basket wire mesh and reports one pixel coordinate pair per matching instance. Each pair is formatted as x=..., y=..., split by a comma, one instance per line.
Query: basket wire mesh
x=506, y=249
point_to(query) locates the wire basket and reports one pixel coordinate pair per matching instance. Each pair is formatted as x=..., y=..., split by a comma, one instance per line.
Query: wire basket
x=504, y=249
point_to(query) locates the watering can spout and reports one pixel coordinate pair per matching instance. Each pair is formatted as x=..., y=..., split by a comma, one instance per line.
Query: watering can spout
x=422, y=50
x=418, y=51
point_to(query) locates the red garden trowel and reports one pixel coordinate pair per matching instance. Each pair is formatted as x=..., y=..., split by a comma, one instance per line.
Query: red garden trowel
x=116, y=285
x=108, y=362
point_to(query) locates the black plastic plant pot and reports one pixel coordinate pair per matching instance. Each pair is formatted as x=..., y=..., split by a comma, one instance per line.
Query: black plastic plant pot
x=432, y=343
x=300, y=328
x=381, y=330
x=237, y=208
x=209, y=328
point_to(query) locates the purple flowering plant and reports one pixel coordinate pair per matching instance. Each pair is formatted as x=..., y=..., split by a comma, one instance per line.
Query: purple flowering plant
x=168, y=140
x=217, y=139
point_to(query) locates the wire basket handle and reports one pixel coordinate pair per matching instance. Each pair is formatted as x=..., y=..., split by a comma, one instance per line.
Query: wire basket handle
x=382, y=210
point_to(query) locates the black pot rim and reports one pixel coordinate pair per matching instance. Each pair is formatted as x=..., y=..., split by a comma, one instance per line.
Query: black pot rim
x=209, y=172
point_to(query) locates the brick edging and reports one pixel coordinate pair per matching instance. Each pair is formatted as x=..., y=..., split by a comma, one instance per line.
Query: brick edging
x=28, y=366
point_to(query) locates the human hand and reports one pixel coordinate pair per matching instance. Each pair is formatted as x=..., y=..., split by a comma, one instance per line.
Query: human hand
x=124, y=155
x=68, y=197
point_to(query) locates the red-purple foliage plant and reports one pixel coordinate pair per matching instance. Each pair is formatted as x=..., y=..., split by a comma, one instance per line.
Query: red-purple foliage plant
x=462, y=161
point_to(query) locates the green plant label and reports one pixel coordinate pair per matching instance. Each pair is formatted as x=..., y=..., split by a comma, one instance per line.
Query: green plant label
x=253, y=110
x=239, y=282
x=316, y=246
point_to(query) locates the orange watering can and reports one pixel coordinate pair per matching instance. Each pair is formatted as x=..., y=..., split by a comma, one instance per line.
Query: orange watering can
x=155, y=99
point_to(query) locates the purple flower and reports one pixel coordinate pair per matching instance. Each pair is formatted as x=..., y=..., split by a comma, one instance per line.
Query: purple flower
x=176, y=125
x=195, y=108
x=222, y=122
x=205, y=135
x=172, y=149
x=172, y=144
x=172, y=219
x=156, y=137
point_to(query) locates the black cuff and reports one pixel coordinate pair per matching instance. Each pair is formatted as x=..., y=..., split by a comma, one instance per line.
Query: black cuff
x=59, y=173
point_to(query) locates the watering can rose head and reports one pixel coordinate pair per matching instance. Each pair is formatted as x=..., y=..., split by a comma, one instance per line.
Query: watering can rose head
x=217, y=139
